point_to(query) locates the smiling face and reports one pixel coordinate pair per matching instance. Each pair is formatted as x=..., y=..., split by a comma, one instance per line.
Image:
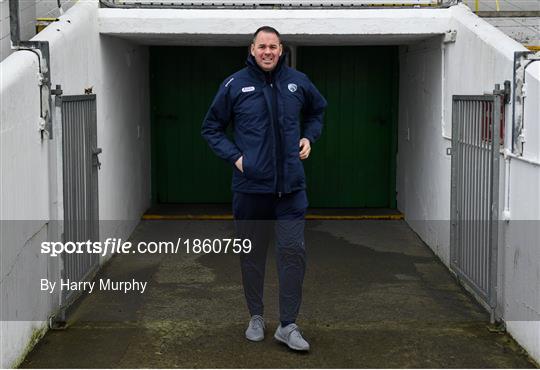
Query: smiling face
x=266, y=49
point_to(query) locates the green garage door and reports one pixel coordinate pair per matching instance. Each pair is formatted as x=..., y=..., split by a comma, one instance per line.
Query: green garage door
x=183, y=82
x=353, y=163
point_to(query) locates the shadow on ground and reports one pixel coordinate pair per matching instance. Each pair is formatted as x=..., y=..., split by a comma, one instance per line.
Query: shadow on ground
x=374, y=296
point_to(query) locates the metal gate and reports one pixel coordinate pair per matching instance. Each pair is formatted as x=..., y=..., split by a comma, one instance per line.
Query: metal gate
x=476, y=138
x=80, y=184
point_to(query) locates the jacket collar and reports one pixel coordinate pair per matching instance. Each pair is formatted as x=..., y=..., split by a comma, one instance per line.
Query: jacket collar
x=253, y=66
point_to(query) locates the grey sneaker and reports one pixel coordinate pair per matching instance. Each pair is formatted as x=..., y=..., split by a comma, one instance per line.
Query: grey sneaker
x=291, y=336
x=255, y=329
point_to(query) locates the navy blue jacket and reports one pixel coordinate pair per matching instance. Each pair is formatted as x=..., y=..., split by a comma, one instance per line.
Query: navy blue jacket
x=270, y=145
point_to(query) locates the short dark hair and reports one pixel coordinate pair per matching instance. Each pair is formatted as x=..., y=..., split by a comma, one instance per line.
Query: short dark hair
x=267, y=29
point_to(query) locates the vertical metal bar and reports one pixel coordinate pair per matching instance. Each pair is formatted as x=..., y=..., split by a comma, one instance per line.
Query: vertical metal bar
x=87, y=165
x=474, y=242
x=70, y=186
x=95, y=192
x=487, y=191
x=88, y=187
x=461, y=181
x=482, y=192
x=65, y=195
x=458, y=182
x=77, y=178
x=470, y=190
x=82, y=193
x=84, y=165
x=472, y=165
x=463, y=185
x=73, y=133
x=453, y=185
x=468, y=186
x=77, y=149
x=487, y=208
x=486, y=127
x=495, y=200
x=478, y=192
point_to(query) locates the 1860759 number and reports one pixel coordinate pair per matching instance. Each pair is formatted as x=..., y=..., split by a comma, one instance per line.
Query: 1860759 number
x=236, y=246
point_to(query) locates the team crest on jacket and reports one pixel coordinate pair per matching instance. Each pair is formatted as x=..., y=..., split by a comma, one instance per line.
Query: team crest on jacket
x=292, y=87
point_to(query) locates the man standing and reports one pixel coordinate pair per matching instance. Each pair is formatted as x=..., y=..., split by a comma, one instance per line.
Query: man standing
x=265, y=101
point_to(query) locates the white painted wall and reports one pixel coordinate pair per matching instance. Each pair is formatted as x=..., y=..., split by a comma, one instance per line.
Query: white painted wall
x=23, y=170
x=423, y=168
x=480, y=57
x=118, y=72
x=520, y=249
x=306, y=27
x=519, y=280
x=124, y=136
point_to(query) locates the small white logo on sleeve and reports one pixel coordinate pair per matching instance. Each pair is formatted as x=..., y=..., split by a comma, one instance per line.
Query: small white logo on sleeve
x=228, y=82
x=292, y=87
x=248, y=88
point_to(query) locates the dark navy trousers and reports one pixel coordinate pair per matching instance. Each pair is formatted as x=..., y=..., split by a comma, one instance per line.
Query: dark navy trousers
x=257, y=216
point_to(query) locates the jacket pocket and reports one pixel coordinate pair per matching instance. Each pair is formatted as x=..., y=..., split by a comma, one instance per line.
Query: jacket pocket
x=295, y=173
x=245, y=166
x=256, y=168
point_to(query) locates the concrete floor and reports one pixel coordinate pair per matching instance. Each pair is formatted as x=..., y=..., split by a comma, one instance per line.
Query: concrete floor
x=374, y=296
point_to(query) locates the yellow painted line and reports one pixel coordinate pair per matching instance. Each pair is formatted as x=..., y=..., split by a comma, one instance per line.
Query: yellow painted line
x=354, y=217
x=308, y=217
x=187, y=217
x=533, y=47
x=47, y=19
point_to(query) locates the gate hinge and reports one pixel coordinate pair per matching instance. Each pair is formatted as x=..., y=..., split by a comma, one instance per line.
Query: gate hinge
x=41, y=79
x=450, y=36
x=521, y=137
x=522, y=59
x=507, y=91
x=41, y=124
x=57, y=91
x=95, y=157
x=449, y=151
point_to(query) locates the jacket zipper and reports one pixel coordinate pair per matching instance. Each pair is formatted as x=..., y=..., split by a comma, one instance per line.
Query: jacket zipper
x=274, y=133
x=277, y=139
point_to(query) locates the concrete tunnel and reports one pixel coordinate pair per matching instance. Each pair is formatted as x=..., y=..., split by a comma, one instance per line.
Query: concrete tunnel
x=389, y=76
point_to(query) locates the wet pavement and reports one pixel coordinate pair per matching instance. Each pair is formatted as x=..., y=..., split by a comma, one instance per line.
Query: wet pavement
x=374, y=296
